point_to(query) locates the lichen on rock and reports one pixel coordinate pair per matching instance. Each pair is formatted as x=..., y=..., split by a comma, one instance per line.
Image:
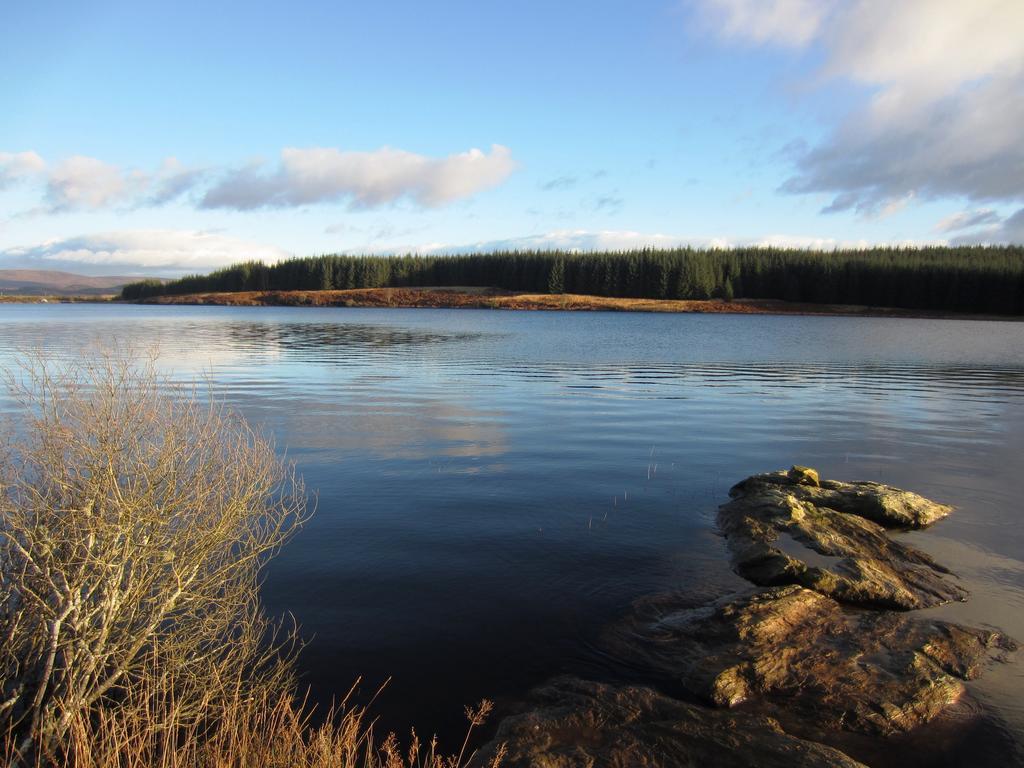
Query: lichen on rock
x=876, y=672
x=884, y=504
x=842, y=521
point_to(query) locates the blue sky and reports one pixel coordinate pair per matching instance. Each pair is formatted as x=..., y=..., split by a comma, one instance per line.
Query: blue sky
x=152, y=137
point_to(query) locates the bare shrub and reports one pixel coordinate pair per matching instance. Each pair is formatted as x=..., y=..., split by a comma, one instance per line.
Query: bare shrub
x=133, y=526
x=134, y=522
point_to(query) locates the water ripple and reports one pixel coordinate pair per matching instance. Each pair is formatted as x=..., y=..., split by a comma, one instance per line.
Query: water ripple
x=494, y=488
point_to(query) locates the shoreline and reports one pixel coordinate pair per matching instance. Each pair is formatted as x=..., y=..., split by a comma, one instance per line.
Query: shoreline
x=49, y=298
x=485, y=298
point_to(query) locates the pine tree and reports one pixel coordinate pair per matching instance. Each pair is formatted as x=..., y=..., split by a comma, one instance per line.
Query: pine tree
x=556, y=277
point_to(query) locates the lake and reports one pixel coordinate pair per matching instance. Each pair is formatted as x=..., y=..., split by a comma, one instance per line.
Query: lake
x=495, y=488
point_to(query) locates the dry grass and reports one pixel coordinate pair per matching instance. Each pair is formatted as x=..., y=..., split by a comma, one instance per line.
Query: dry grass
x=457, y=298
x=273, y=731
x=477, y=298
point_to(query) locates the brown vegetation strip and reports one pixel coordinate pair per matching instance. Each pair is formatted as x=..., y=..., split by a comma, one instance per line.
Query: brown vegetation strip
x=497, y=299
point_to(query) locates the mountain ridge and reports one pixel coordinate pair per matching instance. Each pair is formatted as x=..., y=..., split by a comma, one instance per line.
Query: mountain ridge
x=57, y=283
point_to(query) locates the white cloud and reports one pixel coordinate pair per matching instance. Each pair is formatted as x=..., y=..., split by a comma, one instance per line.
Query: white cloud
x=171, y=181
x=173, y=252
x=945, y=82
x=968, y=219
x=1008, y=230
x=304, y=176
x=919, y=51
x=364, y=179
x=784, y=22
x=622, y=240
x=87, y=183
x=15, y=166
x=150, y=250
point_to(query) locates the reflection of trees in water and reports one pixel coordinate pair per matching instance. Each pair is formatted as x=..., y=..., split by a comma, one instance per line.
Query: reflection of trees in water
x=206, y=341
x=336, y=336
x=740, y=374
x=204, y=344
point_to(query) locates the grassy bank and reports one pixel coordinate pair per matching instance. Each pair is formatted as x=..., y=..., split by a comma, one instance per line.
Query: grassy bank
x=470, y=298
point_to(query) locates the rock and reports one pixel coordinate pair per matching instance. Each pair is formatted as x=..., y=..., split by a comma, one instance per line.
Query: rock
x=802, y=667
x=574, y=723
x=804, y=476
x=827, y=537
x=801, y=652
x=885, y=505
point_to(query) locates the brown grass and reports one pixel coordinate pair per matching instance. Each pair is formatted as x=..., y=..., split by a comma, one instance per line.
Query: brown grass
x=268, y=732
x=483, y=298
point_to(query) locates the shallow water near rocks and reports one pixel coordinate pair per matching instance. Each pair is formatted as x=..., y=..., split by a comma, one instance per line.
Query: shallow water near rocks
x=495, y=488
x=803, y=552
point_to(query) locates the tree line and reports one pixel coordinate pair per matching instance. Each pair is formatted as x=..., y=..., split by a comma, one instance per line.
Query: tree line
x=982, y=279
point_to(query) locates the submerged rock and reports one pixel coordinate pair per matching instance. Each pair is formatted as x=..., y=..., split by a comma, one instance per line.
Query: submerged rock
x=576, y=723
x=792, y=528
x=803, y=653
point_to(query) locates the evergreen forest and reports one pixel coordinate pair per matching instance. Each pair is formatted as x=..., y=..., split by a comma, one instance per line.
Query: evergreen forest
x=976, y=279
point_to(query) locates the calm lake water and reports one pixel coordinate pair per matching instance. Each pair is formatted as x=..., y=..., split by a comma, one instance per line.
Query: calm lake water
x=495, y=488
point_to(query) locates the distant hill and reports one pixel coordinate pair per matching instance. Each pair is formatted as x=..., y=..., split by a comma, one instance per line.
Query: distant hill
x=52, y=283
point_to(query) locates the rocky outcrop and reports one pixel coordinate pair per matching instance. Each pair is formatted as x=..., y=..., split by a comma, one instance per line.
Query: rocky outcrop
x=793, y=648
x=828, y=536
x=885, y=505
x=574, y=723
x=825, y=649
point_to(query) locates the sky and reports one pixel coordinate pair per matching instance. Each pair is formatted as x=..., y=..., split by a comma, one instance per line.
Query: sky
x=163, y=138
